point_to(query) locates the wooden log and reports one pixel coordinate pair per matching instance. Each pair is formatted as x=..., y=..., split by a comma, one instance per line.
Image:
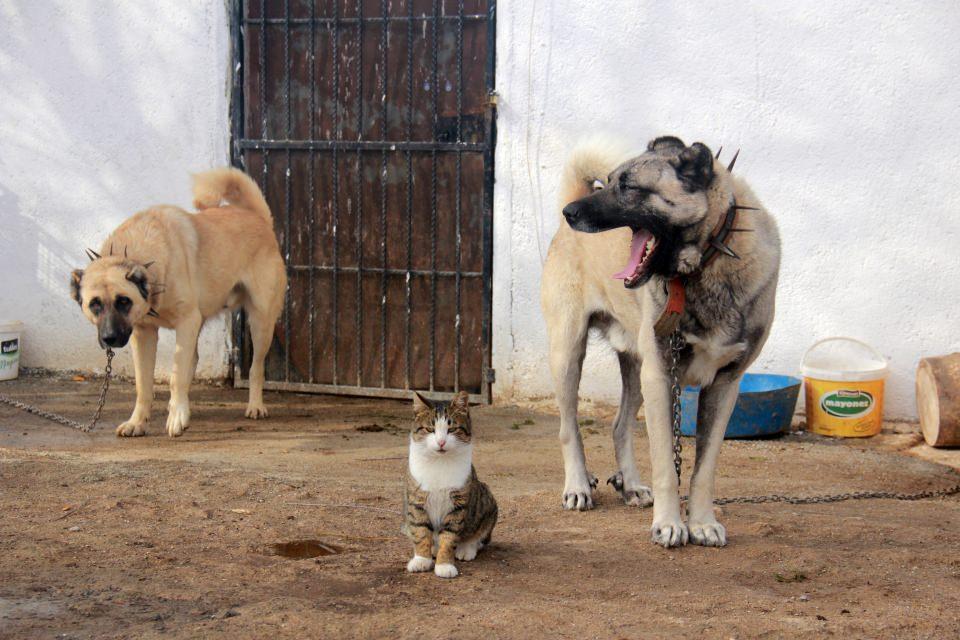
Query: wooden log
x=938, y=400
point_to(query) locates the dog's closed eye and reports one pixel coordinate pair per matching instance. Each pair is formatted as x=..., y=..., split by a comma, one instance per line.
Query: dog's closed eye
x=95, y=305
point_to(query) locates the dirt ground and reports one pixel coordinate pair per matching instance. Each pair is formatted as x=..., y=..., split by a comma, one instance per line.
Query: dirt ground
x=157, y=537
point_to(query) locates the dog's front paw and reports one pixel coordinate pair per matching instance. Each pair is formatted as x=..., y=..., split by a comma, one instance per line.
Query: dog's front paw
x=578, y=494
x=178, y=420
x=419, y=564
x=130, y=429
x=669, y=533
x=635, y=495
x=446, y=570
x=708, y=534
x=255, y=412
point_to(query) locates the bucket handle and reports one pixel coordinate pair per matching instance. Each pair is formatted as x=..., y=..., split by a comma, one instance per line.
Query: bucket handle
x=816, y=344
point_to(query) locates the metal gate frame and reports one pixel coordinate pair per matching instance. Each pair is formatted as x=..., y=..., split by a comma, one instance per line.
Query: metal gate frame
x=239, y=143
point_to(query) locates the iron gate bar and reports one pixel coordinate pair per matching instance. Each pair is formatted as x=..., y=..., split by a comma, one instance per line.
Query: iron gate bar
x=393, y=272
x=267, y=143
x=383, y=196
x=287, y=194
x=237, y=159
x=328, y=22
x=336, y=191
x=351, y=390
x=487, y=222
x=359, y=216
x=434, y=94
x=409, y=134
x=310, y=179
x=361, y=145
x=457, y=284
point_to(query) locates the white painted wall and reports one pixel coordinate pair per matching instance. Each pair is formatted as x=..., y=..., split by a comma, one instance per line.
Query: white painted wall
x=845, y=112
x=847, y=116
x=104, y=109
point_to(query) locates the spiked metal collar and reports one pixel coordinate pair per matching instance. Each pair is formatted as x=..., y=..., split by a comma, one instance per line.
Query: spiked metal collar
x=717, y=240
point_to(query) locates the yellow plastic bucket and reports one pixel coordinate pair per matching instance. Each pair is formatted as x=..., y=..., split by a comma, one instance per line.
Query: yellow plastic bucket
x=843, y=388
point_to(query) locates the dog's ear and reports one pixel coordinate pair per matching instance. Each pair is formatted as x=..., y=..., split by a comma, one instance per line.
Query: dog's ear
x=138, y=276
x=665, y=144
x=76, y=277
x=420, y=403
x=694, y=166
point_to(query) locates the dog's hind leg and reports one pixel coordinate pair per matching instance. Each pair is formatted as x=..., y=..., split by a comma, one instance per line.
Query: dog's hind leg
x=261, y=334
x=568, y=346
x=713, y=413
x=144, y=346
x=263, y=304
x=627, y=480
x=184, y=358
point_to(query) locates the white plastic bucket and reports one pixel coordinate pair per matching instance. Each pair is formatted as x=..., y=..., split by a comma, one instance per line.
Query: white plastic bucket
x=844, y=381
x=10, y=349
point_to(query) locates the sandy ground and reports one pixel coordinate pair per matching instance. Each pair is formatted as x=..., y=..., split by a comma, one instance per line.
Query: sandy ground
x=158, y=537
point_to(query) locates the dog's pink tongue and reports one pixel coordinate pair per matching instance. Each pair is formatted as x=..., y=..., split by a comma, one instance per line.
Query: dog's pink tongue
x=636, y=254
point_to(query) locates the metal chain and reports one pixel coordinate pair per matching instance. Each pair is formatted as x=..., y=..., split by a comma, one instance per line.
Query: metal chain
x=676, y=346
x=840, y=497
x=49, y=415
x=677, y=343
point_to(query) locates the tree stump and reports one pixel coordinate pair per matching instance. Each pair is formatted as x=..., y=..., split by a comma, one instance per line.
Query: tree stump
x=938, y=400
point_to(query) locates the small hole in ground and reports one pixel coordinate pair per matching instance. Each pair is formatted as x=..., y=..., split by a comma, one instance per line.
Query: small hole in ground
x=300, y=549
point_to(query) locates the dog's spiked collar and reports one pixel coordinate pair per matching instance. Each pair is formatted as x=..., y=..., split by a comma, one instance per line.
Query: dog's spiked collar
x=715, y=245
x=717, y=240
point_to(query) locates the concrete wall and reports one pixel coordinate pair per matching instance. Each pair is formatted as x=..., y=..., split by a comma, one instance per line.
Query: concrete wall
x=104, y=109
x=846, y=113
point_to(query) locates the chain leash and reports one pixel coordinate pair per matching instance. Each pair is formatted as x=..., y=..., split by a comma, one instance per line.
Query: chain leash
x=840, y=497
x=676, y=346
x=67, y=422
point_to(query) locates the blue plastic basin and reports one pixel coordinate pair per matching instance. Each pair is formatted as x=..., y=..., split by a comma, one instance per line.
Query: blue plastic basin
x=764, y=407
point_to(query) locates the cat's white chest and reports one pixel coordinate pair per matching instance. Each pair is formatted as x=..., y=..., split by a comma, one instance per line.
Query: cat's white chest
x=438, y=506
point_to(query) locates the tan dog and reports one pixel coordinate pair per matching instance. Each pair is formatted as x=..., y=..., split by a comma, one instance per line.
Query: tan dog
x=633, y=225
x=165, y=267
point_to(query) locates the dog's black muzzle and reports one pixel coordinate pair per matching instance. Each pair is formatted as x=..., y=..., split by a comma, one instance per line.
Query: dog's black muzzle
x=113, y=333
x=602, y=211
x=599, y=211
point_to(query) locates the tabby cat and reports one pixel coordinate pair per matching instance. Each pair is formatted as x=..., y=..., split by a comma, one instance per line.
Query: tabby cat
x=445, y=506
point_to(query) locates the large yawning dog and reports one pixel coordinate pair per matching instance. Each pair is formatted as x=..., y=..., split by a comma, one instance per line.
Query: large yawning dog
x=662, y=240
x=164, y=267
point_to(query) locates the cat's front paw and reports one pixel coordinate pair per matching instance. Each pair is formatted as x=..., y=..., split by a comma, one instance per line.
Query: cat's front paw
x=418, y=564
x=467, y=551
x=446, y=570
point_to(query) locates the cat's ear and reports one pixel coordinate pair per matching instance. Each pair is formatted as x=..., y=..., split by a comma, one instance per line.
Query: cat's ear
x=461, y=401
x=420, y=403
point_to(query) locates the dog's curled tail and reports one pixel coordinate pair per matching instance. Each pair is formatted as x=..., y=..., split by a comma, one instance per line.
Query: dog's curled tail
x=591, y=160
x=228, y=185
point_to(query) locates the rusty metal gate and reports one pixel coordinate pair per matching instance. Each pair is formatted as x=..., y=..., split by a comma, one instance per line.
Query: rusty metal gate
x=370, y=127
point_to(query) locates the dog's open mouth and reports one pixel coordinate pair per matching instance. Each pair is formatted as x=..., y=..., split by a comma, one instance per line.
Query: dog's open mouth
x=642, y=247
